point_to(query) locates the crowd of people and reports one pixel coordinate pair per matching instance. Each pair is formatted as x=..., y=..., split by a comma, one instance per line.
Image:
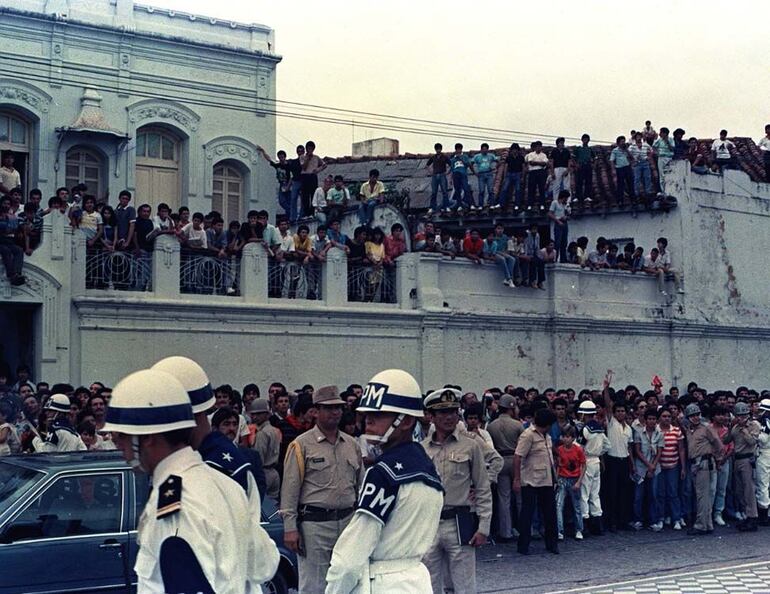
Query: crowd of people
x=524, y=463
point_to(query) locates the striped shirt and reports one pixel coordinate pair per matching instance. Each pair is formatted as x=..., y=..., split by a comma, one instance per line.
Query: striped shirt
x=669, y=458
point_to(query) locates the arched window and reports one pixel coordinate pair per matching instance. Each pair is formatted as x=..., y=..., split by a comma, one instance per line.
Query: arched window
x=157, y=167
x=228, y=192
x=85, y=166
x=14, y=132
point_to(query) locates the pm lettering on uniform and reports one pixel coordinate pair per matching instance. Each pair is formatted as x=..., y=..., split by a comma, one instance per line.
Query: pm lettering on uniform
x=373, y=395
x=378, y=500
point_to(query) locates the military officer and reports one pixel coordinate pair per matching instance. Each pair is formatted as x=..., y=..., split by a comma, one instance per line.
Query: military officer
x=763, y=462
x=267, y=442
x=703, y=446
x=321, y=475
x=744, y=433
x=400, y=503
x=193, y=527
x=505, y=431
x=219, y=452
x=61, y=437
x=459, y=460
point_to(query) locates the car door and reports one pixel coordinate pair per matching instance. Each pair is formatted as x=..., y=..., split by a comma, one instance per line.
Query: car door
x=69, y=537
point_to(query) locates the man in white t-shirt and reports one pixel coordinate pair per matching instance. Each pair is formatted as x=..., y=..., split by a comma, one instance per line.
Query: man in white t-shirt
x=559, y=213
x=537, y=174
x=658, y=263
x=91, y=221
x=9, y=177
x=193, y=235
x=723, y=150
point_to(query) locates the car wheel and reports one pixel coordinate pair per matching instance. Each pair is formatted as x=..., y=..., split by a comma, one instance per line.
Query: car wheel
x=277, y=585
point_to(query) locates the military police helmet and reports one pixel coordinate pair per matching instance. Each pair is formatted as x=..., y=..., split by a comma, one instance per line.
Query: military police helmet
x=741, y=409
x=392, y=390
x=58, y=403
x=691, y=410
x=764, y=405
x=587, y=407
x=148, y=402
x=193, y=378
x=443, y=399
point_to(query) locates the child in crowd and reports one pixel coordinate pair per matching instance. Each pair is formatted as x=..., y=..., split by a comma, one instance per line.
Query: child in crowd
x=572, y=466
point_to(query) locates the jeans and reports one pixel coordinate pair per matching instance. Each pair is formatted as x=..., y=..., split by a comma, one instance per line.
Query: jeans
x=486, y=182
x=308, y=186
x=561, y=181
x=643, y=177
x=560, y=233
x=295, y=212
x=508, y=264
x=512, y=178
x=669, y=504
x=12, y=255
x=284, y=199
x=584, y=181
x=463, y=195
x=662, y=164
x=566, y=491
x=719, y=486
x=536, y=268
x=536, y=183
x=543, y=498
x=624, y=181
x=366, y=211
x=438, y=180
x=649, y=489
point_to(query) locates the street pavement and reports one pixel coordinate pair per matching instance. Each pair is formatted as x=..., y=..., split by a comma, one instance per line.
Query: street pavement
x=727, y=562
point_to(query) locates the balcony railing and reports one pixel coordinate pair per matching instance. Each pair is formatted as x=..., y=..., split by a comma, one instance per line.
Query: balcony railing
x=202, y=274
x=292, y=280
x=119, y=271
x=371, y=284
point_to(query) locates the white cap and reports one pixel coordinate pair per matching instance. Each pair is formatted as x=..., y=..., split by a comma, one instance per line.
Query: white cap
x=58, y=403
x=193, y=378
x=392, y=390
x=148, y=402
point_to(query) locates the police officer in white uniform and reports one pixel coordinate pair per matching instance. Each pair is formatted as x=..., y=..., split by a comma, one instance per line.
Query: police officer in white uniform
x=221, y=453
x=192, y=531
x=595, y=444
x=763, y=462
x=61, y=437
x=400, y=503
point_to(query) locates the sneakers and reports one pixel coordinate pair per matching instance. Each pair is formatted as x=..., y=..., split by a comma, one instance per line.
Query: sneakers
x=561, y=536
x=657, y=527
x=574, y=201
x=680, y=291
x=587, y=200
x=719, y=520
x=664, y=294
x=637, y=525
x=430, y=212
x=230, y=291
x=677, y=525
x=507, y=282
x=578, y=535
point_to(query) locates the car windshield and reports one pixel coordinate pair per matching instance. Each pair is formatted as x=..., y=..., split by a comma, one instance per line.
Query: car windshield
x=15, y=481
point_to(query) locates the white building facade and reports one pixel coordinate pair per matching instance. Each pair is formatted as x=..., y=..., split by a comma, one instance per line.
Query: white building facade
x=116, y=95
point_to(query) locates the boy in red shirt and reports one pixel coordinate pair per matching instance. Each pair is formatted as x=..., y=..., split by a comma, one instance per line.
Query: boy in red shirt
x=572, y=465
x=473, y=247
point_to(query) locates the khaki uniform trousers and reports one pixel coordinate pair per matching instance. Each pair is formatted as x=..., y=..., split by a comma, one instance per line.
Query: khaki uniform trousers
x=704, y=503
x=744, y=488
x=318, y=540
x=504, y=494
x=461, y=561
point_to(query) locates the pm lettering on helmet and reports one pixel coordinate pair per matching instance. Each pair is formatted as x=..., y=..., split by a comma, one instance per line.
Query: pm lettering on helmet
x=373, y=395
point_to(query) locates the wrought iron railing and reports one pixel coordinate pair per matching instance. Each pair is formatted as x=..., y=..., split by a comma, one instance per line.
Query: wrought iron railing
x=120, y=271
x=371, y=284
x=293, y=280
x=202, y=274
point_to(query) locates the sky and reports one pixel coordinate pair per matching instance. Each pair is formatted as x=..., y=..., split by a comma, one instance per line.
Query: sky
x=544, y=67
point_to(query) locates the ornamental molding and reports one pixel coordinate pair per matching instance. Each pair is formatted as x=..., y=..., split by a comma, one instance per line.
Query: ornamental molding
x=231, y=147
x=24, y=94
x=157, y=110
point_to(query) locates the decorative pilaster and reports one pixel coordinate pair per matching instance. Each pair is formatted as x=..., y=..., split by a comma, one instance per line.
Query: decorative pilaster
x=334, y=278
x=253, y=281
x=165, y=267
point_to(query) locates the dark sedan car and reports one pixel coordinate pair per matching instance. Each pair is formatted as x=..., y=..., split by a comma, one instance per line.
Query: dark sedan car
x=68, y=524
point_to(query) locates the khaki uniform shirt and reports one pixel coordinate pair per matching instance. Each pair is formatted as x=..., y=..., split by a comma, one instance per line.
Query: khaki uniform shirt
x=702, y=441
x=268, y=444
x=320, y=473
x=505, y=432
x=745, y=438
x=536, y=452
x=460, y=463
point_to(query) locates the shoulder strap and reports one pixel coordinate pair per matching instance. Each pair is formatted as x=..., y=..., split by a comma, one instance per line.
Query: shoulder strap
x=297, y=450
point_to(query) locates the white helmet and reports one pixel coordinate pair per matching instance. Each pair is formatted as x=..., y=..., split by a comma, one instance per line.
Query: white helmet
x=58, y=403
x=148, y=402
x=392, y=390
x=764, y=404
x=587, y=407
x=193, y=378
